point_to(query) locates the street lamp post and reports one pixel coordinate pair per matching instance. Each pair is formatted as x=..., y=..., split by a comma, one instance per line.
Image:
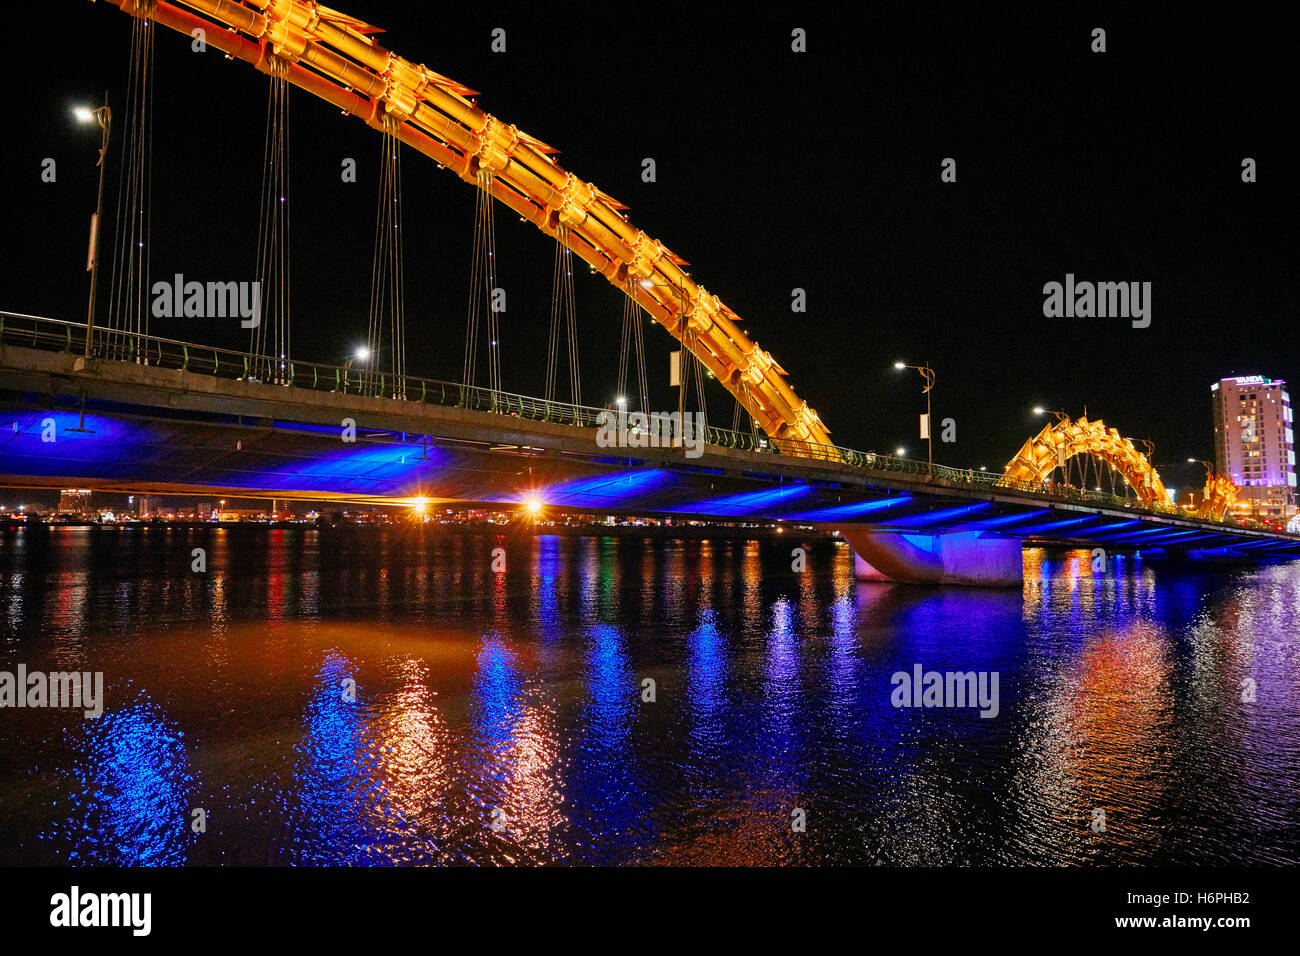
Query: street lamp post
x=1062, y=418
x=362, y=355
x=927, y=374
x=679, y=294
x=104, y=117
x=1209, y=474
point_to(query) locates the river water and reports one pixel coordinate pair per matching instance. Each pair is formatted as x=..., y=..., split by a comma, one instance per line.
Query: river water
x=1146, y=714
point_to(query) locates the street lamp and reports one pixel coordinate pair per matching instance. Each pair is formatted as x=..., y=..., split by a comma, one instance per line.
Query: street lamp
x=1209, y=474
x=104, y=117
x=1060, y=416
x=927, y=374
x=360, y=354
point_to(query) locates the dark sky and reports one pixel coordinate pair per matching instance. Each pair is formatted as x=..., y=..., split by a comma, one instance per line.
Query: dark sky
x=776, y=170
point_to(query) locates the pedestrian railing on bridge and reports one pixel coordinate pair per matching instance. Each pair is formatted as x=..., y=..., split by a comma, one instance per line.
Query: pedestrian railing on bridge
x=115, y=345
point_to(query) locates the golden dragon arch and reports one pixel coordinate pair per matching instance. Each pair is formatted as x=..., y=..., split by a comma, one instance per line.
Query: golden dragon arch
x=334, y=57
x=1056, y=444
x=1220, y=495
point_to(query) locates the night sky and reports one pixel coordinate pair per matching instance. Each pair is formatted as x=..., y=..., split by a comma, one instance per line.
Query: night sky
x=775, y=170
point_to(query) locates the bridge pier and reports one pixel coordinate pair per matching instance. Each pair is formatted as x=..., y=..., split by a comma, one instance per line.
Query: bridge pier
x=946, y=557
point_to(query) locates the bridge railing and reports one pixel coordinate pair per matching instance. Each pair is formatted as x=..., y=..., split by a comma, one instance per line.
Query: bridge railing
x=39, y=332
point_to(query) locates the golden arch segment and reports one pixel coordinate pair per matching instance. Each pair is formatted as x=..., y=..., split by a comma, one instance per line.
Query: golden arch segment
x=334, y=57
x=1220, y=494
x=1056, y=444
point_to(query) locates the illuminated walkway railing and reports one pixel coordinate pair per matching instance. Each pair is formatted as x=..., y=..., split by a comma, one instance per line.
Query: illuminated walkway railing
x=31, y=331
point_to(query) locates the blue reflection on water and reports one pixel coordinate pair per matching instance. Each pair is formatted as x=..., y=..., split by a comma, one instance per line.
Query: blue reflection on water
x=780, y=740
x=134, y=800
x=335, y=775
x=496, y=698
x=706, y=667
x=550, y=565
x=605, y=787
x=1119, y=684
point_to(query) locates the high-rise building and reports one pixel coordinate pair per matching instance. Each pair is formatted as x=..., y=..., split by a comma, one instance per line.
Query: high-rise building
x=1253, y=443
x=74, y=501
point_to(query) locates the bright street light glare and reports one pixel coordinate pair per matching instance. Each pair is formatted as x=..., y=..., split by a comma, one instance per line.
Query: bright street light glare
x=900, y=452
x=362, y=353
x=900, y=365
x=1038, y=409
x=83, y=114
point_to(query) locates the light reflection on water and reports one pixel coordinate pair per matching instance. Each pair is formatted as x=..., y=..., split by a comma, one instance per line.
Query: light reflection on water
x=503, y=718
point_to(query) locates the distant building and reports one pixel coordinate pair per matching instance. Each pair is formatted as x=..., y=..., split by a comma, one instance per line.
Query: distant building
x=1253, y=442
x=74, y=501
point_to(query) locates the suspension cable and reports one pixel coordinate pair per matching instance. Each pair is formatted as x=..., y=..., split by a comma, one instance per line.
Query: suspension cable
x=483, y=287
x=386, y=335
x=692, y=371
x=563, y=321
x=269, y=339
x=632, y=340
x=553, y=337
x=128, y=311
x=472, y=313
x=575, y=372
x=699, y=386
x=735, y=417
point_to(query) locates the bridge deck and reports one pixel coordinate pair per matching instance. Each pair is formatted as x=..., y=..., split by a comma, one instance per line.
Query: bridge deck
x=148, y=429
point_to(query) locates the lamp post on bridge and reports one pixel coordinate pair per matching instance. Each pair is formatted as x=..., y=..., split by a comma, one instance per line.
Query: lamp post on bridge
x=679, y=295
x=927, y=432
x=1062, y=418
x=1150, y=447
x=360, y=354
x=1209, y=474
x=104, y=117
